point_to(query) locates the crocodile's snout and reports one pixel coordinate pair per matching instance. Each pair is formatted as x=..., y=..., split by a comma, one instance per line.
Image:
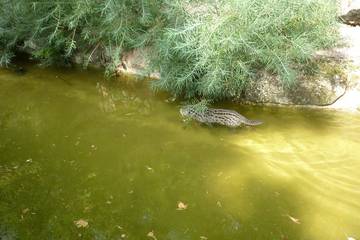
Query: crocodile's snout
x=186, y=111
x=182, y=112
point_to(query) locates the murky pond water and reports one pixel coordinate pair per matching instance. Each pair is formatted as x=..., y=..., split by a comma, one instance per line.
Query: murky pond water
x=86, y=158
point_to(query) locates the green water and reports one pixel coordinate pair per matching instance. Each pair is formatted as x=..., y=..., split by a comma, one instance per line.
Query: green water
x=112, y=154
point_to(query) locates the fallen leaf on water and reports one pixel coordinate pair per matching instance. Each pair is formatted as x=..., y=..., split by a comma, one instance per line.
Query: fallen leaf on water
x=24, y=211
x=81, y=223
x=182, y=206
x=123, y=235
x=295, y=220
x=152, y=235
x=149, y=168
x=92, y=175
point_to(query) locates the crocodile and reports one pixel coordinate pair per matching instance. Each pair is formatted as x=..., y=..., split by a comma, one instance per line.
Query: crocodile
x=225, y=117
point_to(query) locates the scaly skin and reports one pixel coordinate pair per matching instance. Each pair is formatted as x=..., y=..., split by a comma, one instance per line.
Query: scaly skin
x=225, y=117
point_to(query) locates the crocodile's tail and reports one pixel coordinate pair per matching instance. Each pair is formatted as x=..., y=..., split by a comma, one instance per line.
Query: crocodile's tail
x=252, y=122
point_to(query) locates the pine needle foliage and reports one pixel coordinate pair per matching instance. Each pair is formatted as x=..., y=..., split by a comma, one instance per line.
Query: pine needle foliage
x=203, y=48
x=55, y=30
x=212, y=49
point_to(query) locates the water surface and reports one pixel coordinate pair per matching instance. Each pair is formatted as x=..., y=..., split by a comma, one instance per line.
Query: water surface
x=117, y=159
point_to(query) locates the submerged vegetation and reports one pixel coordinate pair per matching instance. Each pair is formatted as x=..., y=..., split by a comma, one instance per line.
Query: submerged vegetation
x=201, y=48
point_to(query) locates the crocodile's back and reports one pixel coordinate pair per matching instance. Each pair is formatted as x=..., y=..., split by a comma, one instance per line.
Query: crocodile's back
x=225, y=117
x=231, y=118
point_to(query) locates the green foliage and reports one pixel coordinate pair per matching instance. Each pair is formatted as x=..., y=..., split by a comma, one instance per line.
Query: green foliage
x=54, y=30
x=203, y=48
x=214, y=48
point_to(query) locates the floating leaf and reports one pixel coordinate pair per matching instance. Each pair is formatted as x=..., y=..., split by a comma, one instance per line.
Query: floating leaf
x=92, y=175
x=24, y=211
x=295, y=220
x=182, y=206
x=149, y=168
x=152, y=235
x=81, y=223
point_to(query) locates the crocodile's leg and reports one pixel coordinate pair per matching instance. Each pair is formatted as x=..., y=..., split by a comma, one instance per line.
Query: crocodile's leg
x=186, y=123
x=207, y=124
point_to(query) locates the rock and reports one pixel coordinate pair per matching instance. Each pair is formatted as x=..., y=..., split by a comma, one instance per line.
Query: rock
x=351, y=99
x=135, y=62
x=322, y=89
x=95, y=57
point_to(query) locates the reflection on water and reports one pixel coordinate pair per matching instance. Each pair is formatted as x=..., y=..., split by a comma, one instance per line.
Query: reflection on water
x=83, y=157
